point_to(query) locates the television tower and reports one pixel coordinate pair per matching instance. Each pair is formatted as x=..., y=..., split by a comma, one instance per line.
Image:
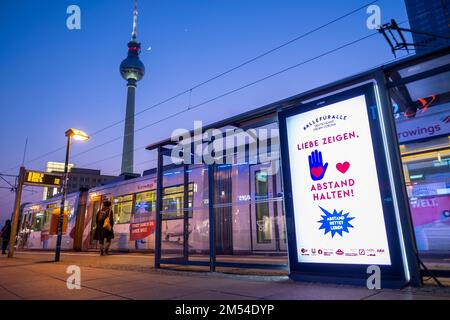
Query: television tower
x=132, y=69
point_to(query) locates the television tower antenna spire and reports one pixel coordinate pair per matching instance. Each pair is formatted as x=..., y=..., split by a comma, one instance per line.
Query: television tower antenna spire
x=133, y=34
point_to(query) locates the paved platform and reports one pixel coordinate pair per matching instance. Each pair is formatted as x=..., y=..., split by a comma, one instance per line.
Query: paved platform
x=33, y=275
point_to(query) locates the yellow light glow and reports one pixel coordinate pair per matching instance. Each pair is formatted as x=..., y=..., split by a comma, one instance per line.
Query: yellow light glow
x=77, y=134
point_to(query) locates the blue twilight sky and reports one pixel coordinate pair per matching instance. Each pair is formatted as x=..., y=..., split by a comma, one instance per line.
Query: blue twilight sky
x=54, y=78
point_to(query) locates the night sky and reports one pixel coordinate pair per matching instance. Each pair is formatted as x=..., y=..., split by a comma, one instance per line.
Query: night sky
x=54, y=78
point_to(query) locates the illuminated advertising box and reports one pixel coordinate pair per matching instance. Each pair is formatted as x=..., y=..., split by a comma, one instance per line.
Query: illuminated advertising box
x=339, y=207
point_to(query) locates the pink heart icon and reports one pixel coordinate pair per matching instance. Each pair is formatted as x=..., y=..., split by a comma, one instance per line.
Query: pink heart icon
x=343, y=167
x=316, y=172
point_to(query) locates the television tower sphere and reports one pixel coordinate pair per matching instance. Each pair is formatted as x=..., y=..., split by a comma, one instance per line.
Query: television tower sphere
x=132, y=69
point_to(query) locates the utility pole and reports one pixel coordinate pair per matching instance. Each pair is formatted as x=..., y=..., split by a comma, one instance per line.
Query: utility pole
x=15, y=221
x=34, y=178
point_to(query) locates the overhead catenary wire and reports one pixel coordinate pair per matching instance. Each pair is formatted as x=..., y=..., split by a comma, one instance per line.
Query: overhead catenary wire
x=10, y=184
x=247, y=62
x=113, y=157
x=140, y=147
x=223, y=95
x=189, y=108
x=8, y=175
x=231, y=92
x=115, y=172
x=241, y=88
x=38, y=157
x=228, y=71
x=11, y=193
x=143, y=146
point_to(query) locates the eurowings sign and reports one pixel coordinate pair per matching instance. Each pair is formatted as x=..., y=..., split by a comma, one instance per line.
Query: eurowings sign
x=432, y=123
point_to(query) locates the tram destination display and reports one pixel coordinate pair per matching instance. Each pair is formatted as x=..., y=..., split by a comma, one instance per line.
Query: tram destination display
x=43, y=179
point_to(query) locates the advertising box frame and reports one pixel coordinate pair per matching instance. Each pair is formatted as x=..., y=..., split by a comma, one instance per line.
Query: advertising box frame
x=395, y=275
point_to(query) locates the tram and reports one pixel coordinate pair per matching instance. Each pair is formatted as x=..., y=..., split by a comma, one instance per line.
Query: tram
x=39, y=222
x=248, y=208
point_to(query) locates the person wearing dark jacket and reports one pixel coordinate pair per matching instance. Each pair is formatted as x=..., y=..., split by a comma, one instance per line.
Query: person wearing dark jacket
x=6, y=234
x=104, y=227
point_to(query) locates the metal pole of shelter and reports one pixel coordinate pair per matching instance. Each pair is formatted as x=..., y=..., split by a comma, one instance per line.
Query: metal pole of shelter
x=63, y=200
x=158, y=229
x=15, y=218
x=212, y=224
x=186, y=210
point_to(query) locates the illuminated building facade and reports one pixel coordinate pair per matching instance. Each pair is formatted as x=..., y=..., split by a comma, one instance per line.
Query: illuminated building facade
x=79, y=178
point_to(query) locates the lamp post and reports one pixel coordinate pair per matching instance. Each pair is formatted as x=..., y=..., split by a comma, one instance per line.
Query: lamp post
x=76, y=135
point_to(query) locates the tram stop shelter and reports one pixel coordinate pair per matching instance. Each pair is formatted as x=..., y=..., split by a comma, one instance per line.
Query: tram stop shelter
x=239, y=206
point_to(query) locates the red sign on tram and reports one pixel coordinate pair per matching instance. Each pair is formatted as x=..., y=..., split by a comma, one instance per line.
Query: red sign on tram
x=139, y=231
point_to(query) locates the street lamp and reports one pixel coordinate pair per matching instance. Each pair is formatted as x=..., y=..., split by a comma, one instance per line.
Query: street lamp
x=80, y=136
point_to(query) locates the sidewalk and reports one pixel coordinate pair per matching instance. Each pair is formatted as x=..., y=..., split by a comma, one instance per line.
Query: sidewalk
x=130, y=276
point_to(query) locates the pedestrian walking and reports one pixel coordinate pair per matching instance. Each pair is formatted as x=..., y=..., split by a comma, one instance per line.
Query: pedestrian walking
x=5, y=234
x=104, y=227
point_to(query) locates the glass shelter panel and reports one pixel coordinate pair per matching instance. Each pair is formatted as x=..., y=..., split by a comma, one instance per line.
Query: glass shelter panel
x=185, y=214
x=422, y=116
x=198, y=214
x=248, y=202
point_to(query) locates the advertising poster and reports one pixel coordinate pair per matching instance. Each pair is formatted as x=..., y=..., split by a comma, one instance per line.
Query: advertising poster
x=337, y=204
x=139, y=231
